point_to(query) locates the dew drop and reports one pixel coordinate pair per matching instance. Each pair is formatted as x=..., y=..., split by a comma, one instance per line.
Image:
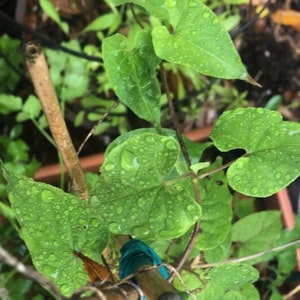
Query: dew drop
x=52, y=257
x=205, y=15
x=55, y=244
x=109, y=167
x=192, y=3
x=47, y=195
x=170, y=145
x=115, y=227
x=119, y=210
x=190, y=207
x=287, y=177
x=179, y=188
x=277, y=175
x=141, y=230
x=253, y=190
x=141, y=202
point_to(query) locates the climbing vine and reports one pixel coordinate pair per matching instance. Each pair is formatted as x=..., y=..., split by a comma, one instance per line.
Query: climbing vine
x=146, y=188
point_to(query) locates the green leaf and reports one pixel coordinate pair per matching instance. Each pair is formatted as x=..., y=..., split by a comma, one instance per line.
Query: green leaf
x=228, y=279
x=197, y=40
x=18, y=288
x=133, y=195
x=49, y=8
x=132, y=74
x=9, y=103
x=216, y=209
x=195, y=150
x=103, y=22
x=31, y=109
x=155, y=8
x=53, y=225
x=70, y=74
x=9, y=74
x=272, y=148
x=220, y=252
x=286, y=260
x=257, y=232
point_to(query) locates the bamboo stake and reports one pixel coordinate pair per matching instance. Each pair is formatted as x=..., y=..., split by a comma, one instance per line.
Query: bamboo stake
x=154, y=286
x=38, y=70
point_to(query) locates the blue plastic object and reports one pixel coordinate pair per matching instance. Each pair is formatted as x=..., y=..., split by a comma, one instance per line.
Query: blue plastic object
x=136, y=253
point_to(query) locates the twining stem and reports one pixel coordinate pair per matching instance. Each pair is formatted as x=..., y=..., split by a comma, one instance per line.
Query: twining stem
x=187, y=251
x=174, y=116
x=249, y=257
x=184, y=151
x=215, y=170
x=115, y=104
x=38, y=70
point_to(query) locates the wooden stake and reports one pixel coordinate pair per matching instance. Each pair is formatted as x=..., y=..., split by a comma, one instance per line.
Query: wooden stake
x=38, y=70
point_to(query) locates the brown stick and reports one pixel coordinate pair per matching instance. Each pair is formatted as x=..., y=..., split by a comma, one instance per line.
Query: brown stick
x=154, y=286
x=38, y=69
x=30, y=273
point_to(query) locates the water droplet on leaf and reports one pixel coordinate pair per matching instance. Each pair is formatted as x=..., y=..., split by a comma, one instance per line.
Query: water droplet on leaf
x=205, y=15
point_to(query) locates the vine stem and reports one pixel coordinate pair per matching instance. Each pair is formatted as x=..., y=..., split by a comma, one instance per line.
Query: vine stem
x=216, y=170
x=188, y=163
x=187, y=250
x=98, y=123
x=249, y=257
x=39, y=73
x=174, y=116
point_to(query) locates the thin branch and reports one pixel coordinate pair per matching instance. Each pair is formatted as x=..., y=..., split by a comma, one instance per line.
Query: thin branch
x=215, y=170
x=250, y=22
x=30, y=273
x=292, y=293
x=135, y=16
x=184, y=151
x=40, y=77
x=174, y=271
x=187, y=250
x=249, y=257
x=174, y=116
x=98, y=123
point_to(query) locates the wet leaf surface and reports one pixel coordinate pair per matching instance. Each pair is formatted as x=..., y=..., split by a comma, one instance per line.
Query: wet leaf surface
x=272, y=148
x=133, y=194
x=53, y=225
x=197, y=40
x=132, y=73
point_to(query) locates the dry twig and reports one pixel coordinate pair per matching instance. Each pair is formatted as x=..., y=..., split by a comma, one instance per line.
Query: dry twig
x=38, y=69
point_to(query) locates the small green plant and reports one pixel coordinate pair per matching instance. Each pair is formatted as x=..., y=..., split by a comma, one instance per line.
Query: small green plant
x=156, y=186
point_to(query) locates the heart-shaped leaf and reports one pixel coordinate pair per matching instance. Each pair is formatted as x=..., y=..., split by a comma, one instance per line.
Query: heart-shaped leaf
x=133, y=194
x=53, y=225
x=272, y=148
x=197, y=40
x=132, y=73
